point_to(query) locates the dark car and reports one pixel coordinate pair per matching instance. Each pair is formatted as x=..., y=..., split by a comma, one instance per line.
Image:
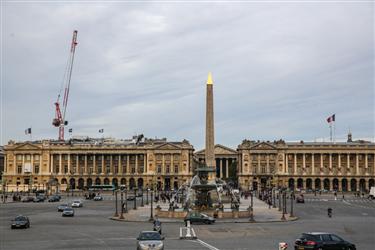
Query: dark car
x=61, y=207
x=300, y=199
x=28, y=199
x=54, y=198
x=322, y=241
x=195, y=217
x=150, y=240
x=20, y=221
x=68, y=211
x=130, y=198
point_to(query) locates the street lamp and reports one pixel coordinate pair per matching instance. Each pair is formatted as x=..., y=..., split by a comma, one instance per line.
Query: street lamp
x=142, y=205
x=116, y=212
x=274, y=197
x=291, y=204
x=126, y=199
x=135, y=199
x=122, y=206
x=152, y=208
x=251, y=207
x=283, y=210
x=147, y=194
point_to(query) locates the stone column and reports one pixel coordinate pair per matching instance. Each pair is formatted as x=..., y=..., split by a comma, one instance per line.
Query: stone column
x=77, y=164
x=330, y=163
x=227, y=168
x=145, y=163
x=111, y=170
x=348, y=162
x=103, y=167
x=127, y=163
x=258, y=170
x=312, y=164
x=304, y=161
x=32, y=163
x=172, y=165
x=120, y=168
x=163, y=164
x=86, y=170
x=366, y=162
x=136, y=164
x=60, y=164
x=69, y=163
x=321, y=163
x=295, y=163
x=210, y=136
x=339, y=187
x=221, y=168
x=286, y=164
x=268, y=163
x=94, y=164
x=357, y=164
x=339, y=163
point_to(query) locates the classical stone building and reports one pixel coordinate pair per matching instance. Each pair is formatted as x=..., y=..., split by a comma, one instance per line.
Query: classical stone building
x=81, y=163
x=1, y=162
x=348, y=166
x=226, y=161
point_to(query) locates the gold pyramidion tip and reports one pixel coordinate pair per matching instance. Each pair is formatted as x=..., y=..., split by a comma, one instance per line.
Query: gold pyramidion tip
x=209, y=78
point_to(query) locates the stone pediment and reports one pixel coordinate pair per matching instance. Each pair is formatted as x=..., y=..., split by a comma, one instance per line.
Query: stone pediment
x=27, y=146
x=263, y=146
x=219, y=150
x=167, y=146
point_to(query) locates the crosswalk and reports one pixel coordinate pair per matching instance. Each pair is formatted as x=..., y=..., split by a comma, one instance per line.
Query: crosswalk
x=364, y=203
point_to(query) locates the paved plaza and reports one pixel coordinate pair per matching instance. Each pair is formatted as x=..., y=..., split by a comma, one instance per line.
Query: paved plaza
x=92, y=228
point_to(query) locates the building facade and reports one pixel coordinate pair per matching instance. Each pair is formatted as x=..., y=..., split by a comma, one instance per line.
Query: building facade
x=307, y=165
x=77, y=164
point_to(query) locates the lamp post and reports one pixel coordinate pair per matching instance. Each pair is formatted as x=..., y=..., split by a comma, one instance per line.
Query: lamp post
x=147, y=195
x=274, y=197
x=135, y=199
x=126, y=199
x=142, y=205
x=283, y=210
x=122, y=206
x=279, y=195
x=116, y=212
x=152, y=208
x=251, y=207
x=291, y=204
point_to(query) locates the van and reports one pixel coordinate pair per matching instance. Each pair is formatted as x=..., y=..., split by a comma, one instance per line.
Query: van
x=372, y=193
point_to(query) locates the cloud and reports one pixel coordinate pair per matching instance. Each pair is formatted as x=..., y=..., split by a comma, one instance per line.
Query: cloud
x=279, y=69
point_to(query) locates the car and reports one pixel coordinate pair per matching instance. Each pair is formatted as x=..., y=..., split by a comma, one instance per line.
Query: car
x=77, y=203
x=196, y=217
x=38, y=199
x=98, y=198
x=54, y=198
x=61, y=207
x=300, y=199
x=20, y=221
x=68, y=211
x=28, y=199
x=150, y=240
x=130, y=198
x=321, y=241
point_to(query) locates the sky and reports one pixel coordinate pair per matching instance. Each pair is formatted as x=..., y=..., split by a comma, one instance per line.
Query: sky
x=280, y=69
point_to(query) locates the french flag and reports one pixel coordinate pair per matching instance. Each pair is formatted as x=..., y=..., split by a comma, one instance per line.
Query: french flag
x=331, y=118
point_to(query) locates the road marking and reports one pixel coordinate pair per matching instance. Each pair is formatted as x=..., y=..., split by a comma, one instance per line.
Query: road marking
x=206, y=244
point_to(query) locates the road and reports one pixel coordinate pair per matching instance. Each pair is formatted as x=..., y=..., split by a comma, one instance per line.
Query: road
x=91, y=228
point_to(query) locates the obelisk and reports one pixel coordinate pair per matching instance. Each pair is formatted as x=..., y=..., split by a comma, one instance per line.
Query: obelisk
x=210, y=142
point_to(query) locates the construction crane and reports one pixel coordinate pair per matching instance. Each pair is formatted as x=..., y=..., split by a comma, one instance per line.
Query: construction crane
x=59, y=120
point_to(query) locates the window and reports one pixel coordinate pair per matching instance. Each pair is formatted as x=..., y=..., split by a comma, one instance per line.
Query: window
x=99, y=169
x=28, y=157
x=116, y=169
x=36, y=157
x=65, y=169
x=19, y=157
x=263, y=169
x=65, y=157
x=107, y=169
x=57, y=169
x=335, y=238
x=90, y=170
x=19, y=169
x=124, y=169
x=36, y=169
x=176, y=168
x=141, y=169
x=159, y=169
x=133, y=170
x=167, y=170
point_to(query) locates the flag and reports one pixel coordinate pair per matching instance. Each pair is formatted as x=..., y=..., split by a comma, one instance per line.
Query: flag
x=331, y=118
x=101, y=130
x=70, y=130
x=28, y=131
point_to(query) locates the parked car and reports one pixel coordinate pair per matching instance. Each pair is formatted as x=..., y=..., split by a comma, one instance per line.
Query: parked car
x=28, y=199
x=130, y=198
x=54, y=198
x=300, y=199
x=322, y=241
x=61, y=207
x=68, y=211
x=150, y=240
x=98, y=198
x=372, y=193
x=77, y=203
x=38, y=199
x=20, y=221
x=195, y=217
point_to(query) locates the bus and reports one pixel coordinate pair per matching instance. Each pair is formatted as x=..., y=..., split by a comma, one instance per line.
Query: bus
x=102, y=188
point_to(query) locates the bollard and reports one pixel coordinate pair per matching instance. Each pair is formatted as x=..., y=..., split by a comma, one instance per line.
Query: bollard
x=283, y=246
x=188, y=232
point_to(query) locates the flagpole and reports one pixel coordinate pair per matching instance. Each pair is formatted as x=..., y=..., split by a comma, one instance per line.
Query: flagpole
x=330, y=131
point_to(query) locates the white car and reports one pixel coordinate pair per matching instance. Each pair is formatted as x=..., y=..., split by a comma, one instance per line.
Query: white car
x=77, y=203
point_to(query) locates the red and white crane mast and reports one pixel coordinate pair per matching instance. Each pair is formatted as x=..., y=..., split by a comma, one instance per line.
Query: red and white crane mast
x=59, y=120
